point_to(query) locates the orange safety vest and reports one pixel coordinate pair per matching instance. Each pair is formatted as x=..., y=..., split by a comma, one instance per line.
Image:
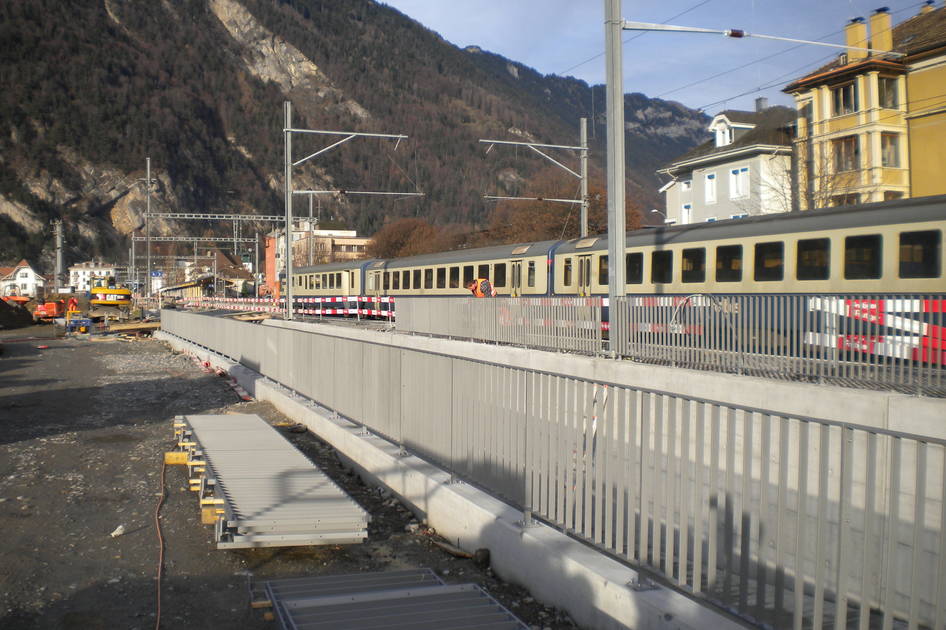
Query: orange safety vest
x=483, y=288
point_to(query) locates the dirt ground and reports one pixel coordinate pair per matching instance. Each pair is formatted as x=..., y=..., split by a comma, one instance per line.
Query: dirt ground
x=83, y=426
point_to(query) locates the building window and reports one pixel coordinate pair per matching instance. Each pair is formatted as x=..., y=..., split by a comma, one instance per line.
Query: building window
x=845, y=99
x=892, y=195
x=890, y=150
x=739, y=183
x=687, y=185
x=846, y=153
x=741, y=215
x=850, y=199
x=723, y=136
x=711, y=219
x=887, y=92
x=710, y=194
x=686, y=213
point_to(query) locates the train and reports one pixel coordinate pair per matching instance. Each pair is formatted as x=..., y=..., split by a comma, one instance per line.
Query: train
x=877, y=248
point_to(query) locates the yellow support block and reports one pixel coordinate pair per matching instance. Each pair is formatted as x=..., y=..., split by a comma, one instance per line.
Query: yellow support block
x=175, y=458
x=208, y=516
x=265, y=603
x=211, y=501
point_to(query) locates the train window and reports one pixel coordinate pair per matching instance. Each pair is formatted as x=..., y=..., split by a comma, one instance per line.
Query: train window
x=499, y=275
x=387, y=280
x=454, y=277
x=769, y=261
x=483, y=271
x=405, y=279
x=416, y=284
x=634, y=268
x=467, y=274
x=693, y=265
x=331, y=280
x=441, y=277
x=396, y=280
x=530, y=276
x=603, y=270
x=661, y=267
x=428, y=278
x=920, y=254
x=862, y=257
x=567, y=272
x=814, y=259
x=338, y=279
x=317, y=281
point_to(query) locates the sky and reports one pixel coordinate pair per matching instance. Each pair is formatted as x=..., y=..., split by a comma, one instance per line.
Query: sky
x=702, y=71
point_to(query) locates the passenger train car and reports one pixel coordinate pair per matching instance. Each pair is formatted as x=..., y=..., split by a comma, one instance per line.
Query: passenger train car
x=888, y=247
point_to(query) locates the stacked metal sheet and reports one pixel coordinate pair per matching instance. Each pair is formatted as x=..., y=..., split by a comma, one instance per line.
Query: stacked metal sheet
x=268, y=493
x=412, y=599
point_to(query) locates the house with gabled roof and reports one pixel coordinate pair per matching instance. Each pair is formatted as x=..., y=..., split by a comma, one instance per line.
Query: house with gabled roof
x=21, y=279
x=744, y=169
x=872, y=123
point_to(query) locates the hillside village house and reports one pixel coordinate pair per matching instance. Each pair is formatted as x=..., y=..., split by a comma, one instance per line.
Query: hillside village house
x=745, y=169
x=23, y=280
x=872, y=126
x=83, y=275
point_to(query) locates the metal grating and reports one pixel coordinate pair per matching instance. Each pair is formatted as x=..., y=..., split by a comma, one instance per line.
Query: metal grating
x=268, y=493
x=411, y=599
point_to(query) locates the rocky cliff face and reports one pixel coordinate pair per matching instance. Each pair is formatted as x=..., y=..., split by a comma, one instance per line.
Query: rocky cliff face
x=198, y=86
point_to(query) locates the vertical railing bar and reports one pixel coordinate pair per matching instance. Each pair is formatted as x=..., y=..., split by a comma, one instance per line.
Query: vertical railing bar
x=671, y=487
x=893, y=515
x=644, y=555
x=940, y=581
x=660, y=479
x=561, y=474
x=699, y=509
x=542, y=443
x=633, y=473
x=686, y=491
x=587, y=530
x=765, y=537
x=817, y=617
x=780, y=520
x=869, y=551
x=800, y=540
x=715, y=502
x=570, y=456
x=621, y=454
x=919, y=524
x=745, y=512
x=844, y=527
x=729, y=527
x=602, y=451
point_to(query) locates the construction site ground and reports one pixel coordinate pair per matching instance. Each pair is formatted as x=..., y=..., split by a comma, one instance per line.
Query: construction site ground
x=83, y=428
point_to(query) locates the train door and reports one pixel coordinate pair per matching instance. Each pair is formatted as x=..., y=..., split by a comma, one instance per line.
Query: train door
x=583, y=267
x=374, y=283
x=515, y=285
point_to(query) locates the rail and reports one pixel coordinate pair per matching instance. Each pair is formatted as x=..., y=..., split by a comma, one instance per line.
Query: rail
x=790, y=521
x=570, y=324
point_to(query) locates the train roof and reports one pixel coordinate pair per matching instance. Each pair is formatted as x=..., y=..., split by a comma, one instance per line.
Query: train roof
x=537, y=248
x=865, y=215
x=347, y=265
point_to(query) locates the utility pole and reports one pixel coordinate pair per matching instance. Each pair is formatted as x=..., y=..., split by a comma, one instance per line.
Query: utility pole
x=584, y=177
x=148, y=222
x=617, y=226
x=311, y=231
x=287, y=264
x=57, y=226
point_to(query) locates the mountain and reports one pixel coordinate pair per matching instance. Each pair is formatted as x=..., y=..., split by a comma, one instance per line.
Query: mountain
x=92, y=87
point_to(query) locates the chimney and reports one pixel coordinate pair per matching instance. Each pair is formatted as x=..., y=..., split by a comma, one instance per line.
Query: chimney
x=881, y=35
x=855, y=35
x=927, y=7
x=761, y=103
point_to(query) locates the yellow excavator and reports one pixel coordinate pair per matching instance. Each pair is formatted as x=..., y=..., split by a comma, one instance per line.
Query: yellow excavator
x=108, y=299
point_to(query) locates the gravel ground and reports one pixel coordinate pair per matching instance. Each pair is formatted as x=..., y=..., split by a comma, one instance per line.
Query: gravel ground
x=83, y=425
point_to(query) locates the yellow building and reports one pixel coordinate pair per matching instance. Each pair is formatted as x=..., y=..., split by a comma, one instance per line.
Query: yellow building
x=872, y=125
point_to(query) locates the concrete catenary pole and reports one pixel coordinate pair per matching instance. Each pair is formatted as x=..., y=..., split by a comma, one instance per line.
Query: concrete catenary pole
x=58, y=227
x=288, y=251
x=584, y=177
x=613, y=27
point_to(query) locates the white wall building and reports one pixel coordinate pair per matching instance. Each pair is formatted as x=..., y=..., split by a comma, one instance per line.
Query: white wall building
x=22, y=279
x=83, y=275
x=744, y=170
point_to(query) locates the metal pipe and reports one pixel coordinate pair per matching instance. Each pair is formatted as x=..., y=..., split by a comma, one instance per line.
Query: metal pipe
x=584, y=177
x=288, y=200
x=615, y=113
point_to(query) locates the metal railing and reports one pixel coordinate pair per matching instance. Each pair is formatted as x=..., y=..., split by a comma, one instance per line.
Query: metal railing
x=889, y=341
x=572, y=324
x=790, y=521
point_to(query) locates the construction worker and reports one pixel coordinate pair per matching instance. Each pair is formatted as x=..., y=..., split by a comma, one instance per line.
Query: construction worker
x=73, y=304
x=481, y=288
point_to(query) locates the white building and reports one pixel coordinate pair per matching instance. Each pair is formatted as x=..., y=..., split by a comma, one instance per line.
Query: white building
x=22, y=279
x=83, y=275
x=745, y=169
